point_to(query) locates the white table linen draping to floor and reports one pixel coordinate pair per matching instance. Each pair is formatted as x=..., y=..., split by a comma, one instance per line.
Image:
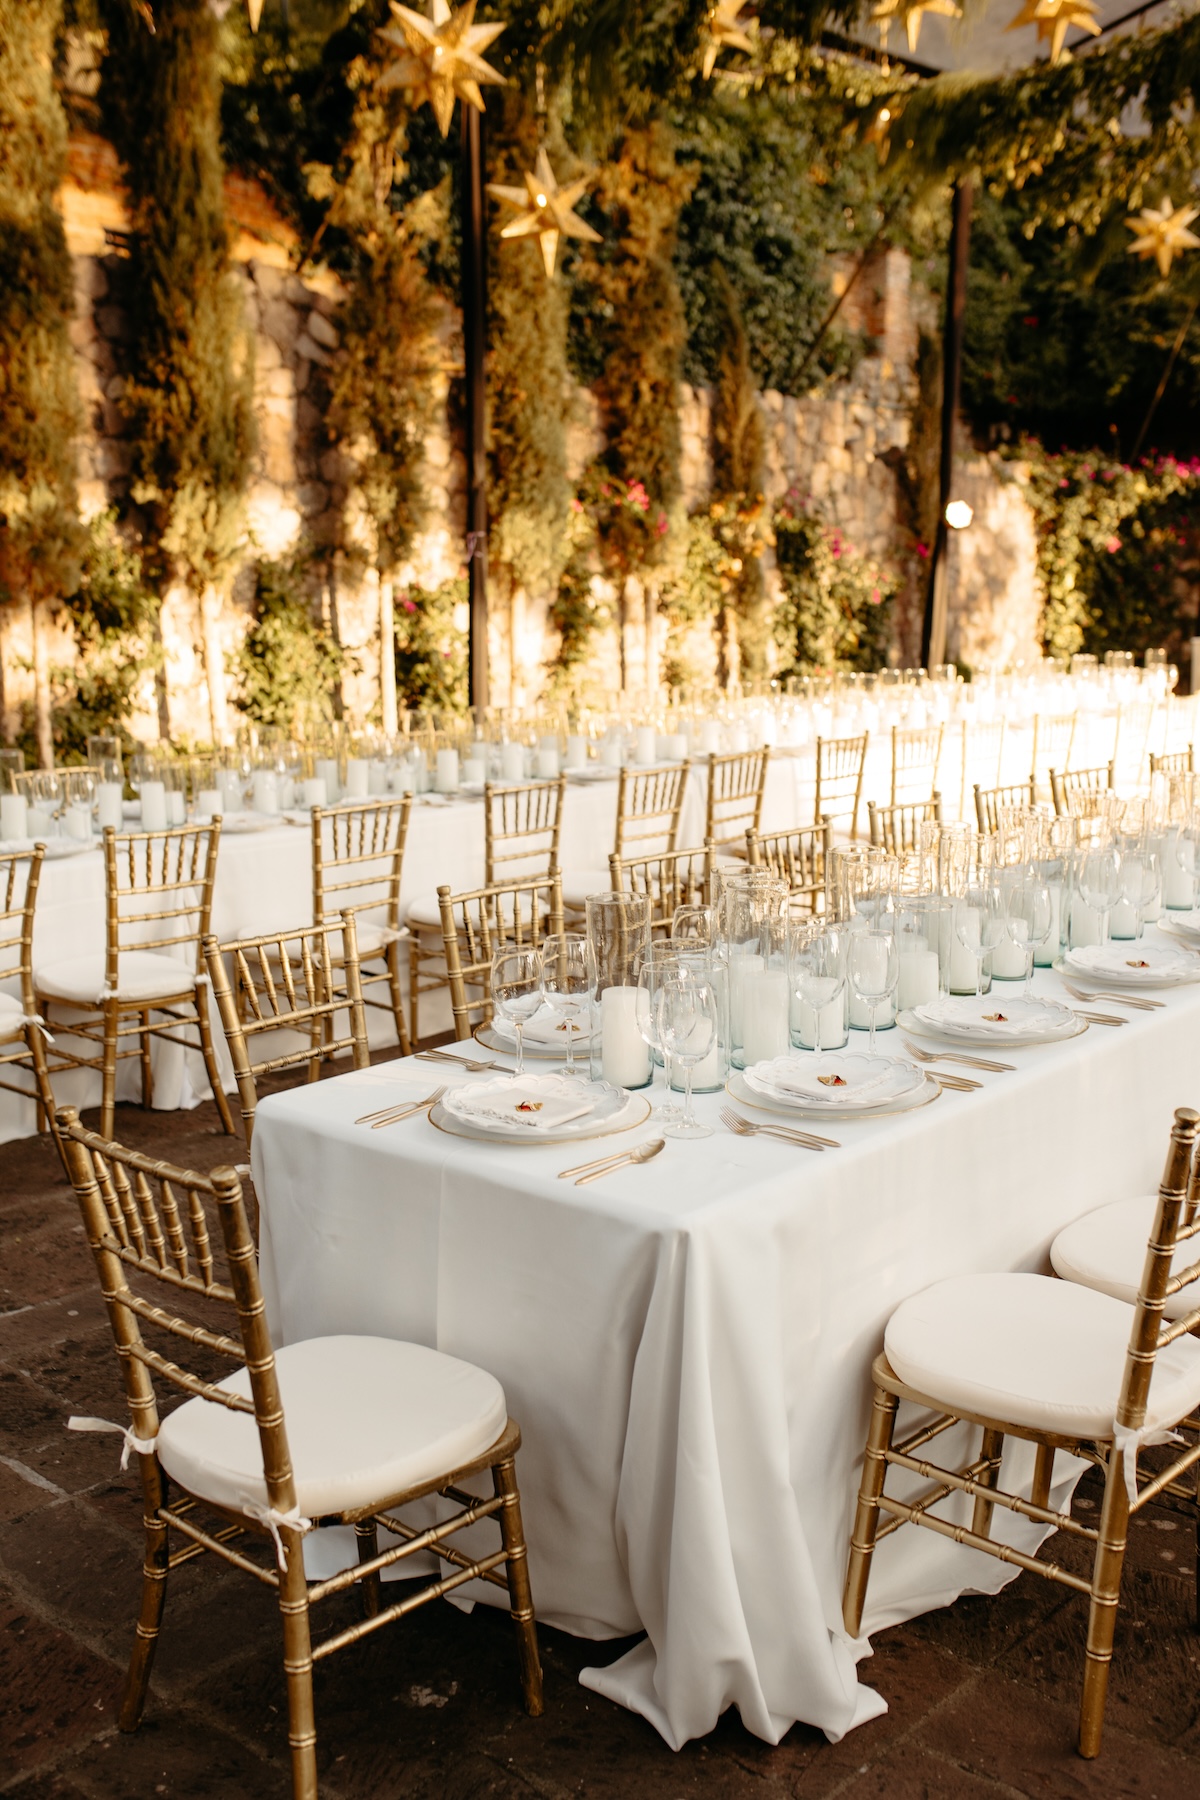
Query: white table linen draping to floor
x=687, y=1345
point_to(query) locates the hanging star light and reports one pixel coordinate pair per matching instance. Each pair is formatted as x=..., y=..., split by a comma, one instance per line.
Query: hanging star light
x=1163, y=233
x=548, y=209
x=441, y=57
x=724, y=29
x=1054, y=18
x=910, y=14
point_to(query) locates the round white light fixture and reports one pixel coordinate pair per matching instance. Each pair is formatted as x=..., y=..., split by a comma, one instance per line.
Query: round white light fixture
x=959, y=515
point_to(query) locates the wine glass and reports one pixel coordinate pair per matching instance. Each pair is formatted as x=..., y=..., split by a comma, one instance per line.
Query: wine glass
x=656, y=963
x=1028, y=916
x=686, y=1020
x=1139, y=884
x=517, y=989
x=568, y=983
x=873, y=967
x=979, y=922
x=818, y=969
x=1099, y=874
x=692, y=925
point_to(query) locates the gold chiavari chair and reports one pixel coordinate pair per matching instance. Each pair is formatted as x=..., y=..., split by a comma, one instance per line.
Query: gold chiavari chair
x=736, y=786
x=1062, y=1367
x=288, y=981
x=1131, y=742
x=22, y=1034
x=521, y=825
x=669, y=880
x=982, y=751
x=649, y=807
x=347, y=1430
x=149, y=982
x=1053, y=741
x=798, y=857
x=989, y=802
x=1173, y=762
x=358, y=861
x=898, y=828
x=915, y=758
x=1081, y=791
x=477, y=924
x=840, y=766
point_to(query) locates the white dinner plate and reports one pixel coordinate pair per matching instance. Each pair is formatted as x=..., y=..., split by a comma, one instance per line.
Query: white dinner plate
x=737, y=1090
x=491, y=1040
x=600, y=772
x=634, y=1111
x=1001, y=1018
x=1118, y=966
x=545, y=1031
x=1183, y=926
x=537, y=1088
x=985, y=1040
x=241, y=824
x=882, y=1078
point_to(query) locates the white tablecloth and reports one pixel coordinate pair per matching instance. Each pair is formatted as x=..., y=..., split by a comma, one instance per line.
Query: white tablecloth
x=687, y=1345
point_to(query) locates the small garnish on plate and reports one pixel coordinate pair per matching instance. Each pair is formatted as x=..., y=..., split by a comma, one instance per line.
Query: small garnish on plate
x=832, y=1080
x=529, y=1105
x=995, y=1018
x=1131, y=964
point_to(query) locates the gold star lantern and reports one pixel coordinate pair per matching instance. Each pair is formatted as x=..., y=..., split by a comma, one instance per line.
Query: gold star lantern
x=1163, y=233
x=441, y=57
x=910, y=14
x=1054, y=18
x=546, y=210
x=724, y=30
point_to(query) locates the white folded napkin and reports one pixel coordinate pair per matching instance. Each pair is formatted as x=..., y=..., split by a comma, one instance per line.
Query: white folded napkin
x=547, y=1029
x=834, y=1080
x=532, y=1102
x=995, y=1014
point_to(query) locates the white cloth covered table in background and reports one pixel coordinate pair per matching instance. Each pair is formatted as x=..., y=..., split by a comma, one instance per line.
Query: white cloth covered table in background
x=687, y=1345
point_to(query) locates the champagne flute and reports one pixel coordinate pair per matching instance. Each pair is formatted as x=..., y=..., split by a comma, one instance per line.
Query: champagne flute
x=517, y=989
x=874, y=970
x=686, y=1020
x=568, y=983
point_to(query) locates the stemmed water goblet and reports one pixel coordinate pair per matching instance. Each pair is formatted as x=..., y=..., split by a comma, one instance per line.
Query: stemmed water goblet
x=1028, y=917
x=1099, y=878
x=517, y=989
x=873, y=967
x=657, y=963
x=568, y=983
x=686, y=1020
x=979, y=922
x=1139, y=884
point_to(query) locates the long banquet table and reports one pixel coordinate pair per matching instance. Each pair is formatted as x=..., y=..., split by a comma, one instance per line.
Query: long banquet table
x=687, y=1345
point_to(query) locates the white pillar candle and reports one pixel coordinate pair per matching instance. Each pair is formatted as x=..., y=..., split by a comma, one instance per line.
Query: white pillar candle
x=512, y=762
x=1085, y=924
x=610, y=752
x=78, y=821
x=964, y=964
x=646, y=751
x=1123, y=920
x=287, y=792
x=1179, y=884
x=14, y=816
x=210, y=803
x=154, y=806
x=176, y=806
x=327, y=771
x=918, y=984
x=765, y=1031
x=474, y=771
x=1008, y=960
x=357, y=778
x=741, y=964
x=266, y=791
x=547, y=764
x=42, y=824
x=860, y=1009
x=576, y=752
x=1046, y=953
x=108, y=805
x=624, y=1053
x=314, y=791
x=739, y=738
x=831, y=1018
x=706, y=1075
x=710, y=738
x=447, y=771
x=377, y=777
x=230, y=784
x=548, y=741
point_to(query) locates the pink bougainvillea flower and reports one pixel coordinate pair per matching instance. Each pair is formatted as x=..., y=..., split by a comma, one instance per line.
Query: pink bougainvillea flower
x=661, y=527
x=922, y=549
x=576, y=506
x=1112, y=545
x=410, y=606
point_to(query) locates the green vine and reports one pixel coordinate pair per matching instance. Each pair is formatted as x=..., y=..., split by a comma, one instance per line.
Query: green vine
x=431, y=648
x=835, y=605
x=288, y=665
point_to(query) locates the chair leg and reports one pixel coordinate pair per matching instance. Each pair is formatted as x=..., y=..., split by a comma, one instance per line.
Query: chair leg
x=866, y=1518
x=208, y=1051
x=1102, y=1612
x=393, y=969
x=147, y=1066
x=108, y=1077
x=991, y=1448
x=367, y=1534
x=520, y=1596
x=414, y=984
x=154, y=1598
x=298, y=1668
x=1043, y=1475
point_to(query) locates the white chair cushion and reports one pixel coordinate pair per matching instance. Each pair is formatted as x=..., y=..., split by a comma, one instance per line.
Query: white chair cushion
x=12, y=1017
x=578, y=884
x=424, y=911
x=365, y=1418
x=142, y=975
x=1032, y=1351
x=1107, y=1248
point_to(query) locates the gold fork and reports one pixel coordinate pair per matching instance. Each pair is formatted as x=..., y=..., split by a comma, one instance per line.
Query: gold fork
x=463, y=1062
x=806, y=1140
x=1138, y=1001
x=968, y=1062
x=399, y=1110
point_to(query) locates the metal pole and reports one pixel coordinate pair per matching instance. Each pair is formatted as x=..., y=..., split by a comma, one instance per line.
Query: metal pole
x=474, y=314
x=933, y=636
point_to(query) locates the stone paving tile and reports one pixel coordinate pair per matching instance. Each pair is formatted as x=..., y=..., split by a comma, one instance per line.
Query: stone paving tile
x=55, y=1691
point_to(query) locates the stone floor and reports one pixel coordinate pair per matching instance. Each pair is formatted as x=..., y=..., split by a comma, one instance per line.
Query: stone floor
x=982, y=1695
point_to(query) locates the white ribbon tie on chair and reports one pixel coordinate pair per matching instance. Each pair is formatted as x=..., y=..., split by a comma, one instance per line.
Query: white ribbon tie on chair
x=143, y=1446
x=272, y=1518
x=1129, y=1441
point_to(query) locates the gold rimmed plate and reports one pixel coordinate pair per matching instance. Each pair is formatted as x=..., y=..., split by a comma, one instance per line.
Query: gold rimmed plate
x=634, y=1113
x=491, y=1039
x=982, y=1040
x=929, y=1090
